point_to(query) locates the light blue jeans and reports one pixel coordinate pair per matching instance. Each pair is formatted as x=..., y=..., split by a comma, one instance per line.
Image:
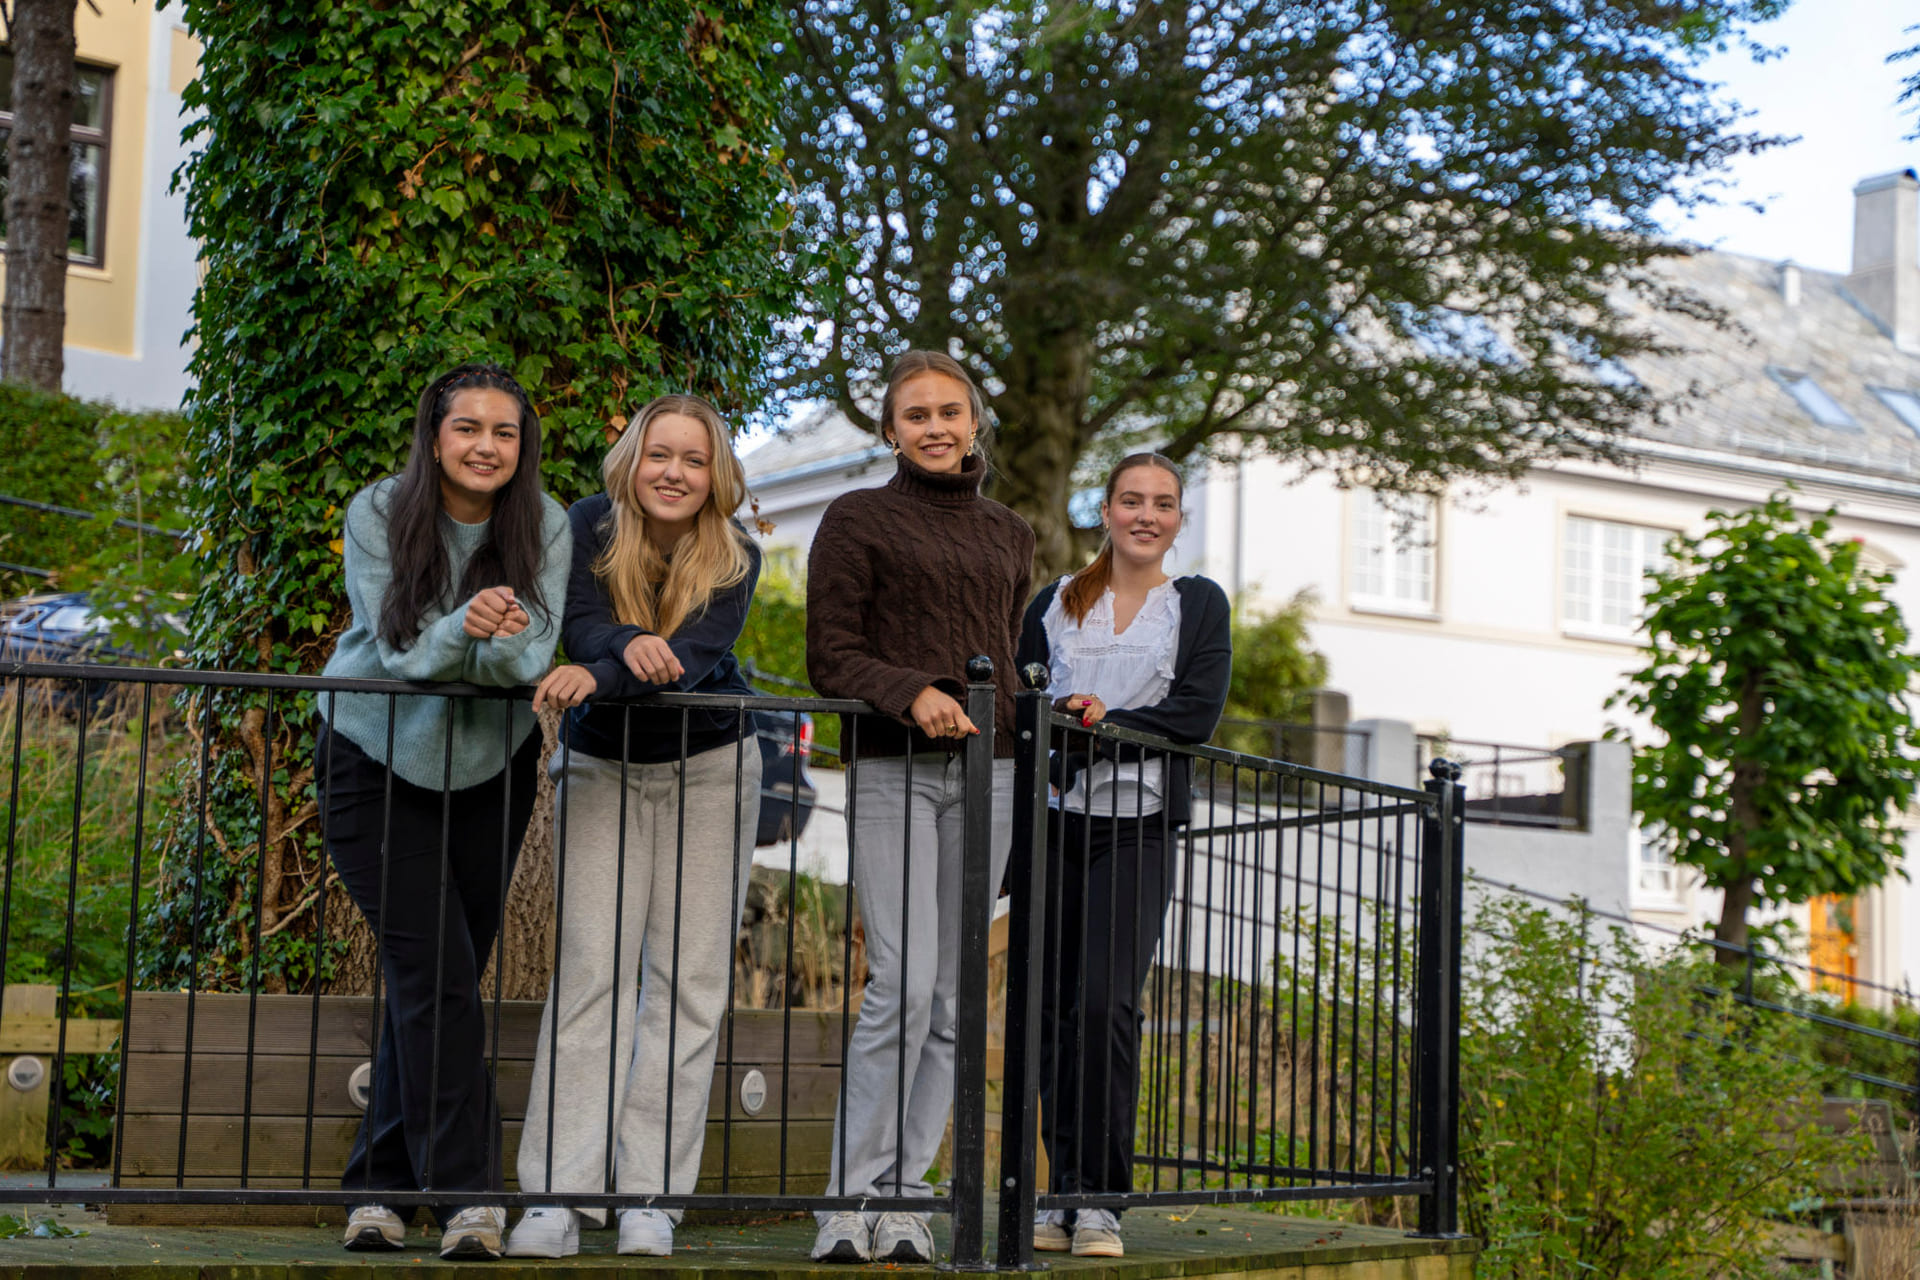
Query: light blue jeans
x=899, y=1069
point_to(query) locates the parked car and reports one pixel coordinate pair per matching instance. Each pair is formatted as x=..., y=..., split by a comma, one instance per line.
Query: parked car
x=784, y=809
x=62, y=627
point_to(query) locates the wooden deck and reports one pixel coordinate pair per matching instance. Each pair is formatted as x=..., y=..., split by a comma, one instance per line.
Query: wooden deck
x=1221, y=1244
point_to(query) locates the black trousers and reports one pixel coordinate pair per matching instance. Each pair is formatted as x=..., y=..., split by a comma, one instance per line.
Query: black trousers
x=432, y=1122
x=1109, y=881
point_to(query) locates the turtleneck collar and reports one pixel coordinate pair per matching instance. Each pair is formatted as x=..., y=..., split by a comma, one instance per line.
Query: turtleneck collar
x=945, y=488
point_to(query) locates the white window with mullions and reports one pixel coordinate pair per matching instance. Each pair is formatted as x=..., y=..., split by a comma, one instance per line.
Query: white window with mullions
x=1606, y=567
x=87, y=176
x=1392, y=542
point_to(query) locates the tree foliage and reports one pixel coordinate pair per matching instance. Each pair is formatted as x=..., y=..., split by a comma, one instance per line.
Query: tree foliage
x=588, y=194
x=1776, y=681
x=1388, y=237
x=1275, y=671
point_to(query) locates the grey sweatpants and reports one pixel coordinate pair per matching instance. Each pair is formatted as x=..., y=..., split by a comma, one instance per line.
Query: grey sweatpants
x=611, y=925
x=899, y=1085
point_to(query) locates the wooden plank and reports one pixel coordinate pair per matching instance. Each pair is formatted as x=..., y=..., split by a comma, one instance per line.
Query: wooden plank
x=213, y=1149
x=283, y=1026
x=31, y=1034
x=280, y=1088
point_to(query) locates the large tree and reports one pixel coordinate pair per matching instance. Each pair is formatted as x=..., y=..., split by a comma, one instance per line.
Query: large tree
x=1389, y=236
x=1776, y=684
x=33, y=319
x=587, y=194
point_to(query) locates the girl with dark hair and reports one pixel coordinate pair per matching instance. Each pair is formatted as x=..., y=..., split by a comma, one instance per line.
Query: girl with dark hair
x=655, y=812
x=456, y=570
x=905, y=583
x=1127, y=644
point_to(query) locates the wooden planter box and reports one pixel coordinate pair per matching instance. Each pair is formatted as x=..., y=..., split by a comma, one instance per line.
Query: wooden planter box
x=284, y=1144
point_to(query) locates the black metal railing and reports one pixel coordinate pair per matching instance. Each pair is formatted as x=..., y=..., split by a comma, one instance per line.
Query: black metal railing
x=1519, y=786
x=1282, y=967
x=1299, y=1001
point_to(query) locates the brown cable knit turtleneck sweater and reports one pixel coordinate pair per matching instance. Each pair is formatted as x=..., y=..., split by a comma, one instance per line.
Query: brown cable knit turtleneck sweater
x=904, y=584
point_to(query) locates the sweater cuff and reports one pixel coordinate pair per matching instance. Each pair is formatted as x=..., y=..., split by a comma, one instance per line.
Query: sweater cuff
x=897, y=698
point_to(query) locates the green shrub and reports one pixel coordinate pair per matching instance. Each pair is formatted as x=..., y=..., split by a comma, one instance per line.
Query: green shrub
x=1617, y=1121
x=92, y=457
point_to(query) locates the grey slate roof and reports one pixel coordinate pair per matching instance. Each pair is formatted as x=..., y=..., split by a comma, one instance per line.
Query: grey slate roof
x=820, y=436
x=1827, y=335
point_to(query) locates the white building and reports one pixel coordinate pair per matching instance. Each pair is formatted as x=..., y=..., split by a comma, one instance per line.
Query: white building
x=1510, y=616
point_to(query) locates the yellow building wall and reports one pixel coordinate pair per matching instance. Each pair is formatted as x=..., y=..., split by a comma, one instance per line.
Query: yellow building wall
x=103, y=301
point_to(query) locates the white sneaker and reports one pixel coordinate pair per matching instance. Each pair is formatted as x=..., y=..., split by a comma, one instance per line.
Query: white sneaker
x=902, y=1237
x=474, y=1234
x=647, y=1232
x=844, y=1238
x=1096, y=1234
x=1050, y=1233
x=546, y=1231
x=373, y=1227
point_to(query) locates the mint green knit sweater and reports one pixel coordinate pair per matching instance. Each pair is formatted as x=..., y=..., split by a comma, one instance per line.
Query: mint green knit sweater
x=442, y=651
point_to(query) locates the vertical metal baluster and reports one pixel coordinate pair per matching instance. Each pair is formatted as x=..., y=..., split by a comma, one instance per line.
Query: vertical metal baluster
x=1206, y=967
x=507, y=853
x=741, y=730
x=1399, y=950
x=259, y=912
x=786, y=967
x=133, y=917
x=1293, y=991
x=624, y=1002
x=57, y=1085
x=1353, y=1003
x=193, y=950
x=906, y=952
x=726, y=1115
x=1313, y=1079
x=13, y=822
x=440, y=943
x=1184, y=976
x=850, y=730
x=380, y=938
x=673, y=986
x=1379, y=922
x=324, y=795
x=562, y=795
x=1081, y=981
x=1339, y=960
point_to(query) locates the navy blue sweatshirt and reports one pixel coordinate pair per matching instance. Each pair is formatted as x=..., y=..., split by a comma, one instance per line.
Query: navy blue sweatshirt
x=597, y=640
x=1202, y=671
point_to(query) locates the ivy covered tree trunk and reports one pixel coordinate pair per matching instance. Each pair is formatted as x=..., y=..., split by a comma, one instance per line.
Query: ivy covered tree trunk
x=33, y=319
x=587, y=195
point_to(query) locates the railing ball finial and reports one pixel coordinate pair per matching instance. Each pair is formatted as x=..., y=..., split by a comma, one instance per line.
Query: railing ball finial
x=1035, y=675
x=979, y=669
x=1443, y=769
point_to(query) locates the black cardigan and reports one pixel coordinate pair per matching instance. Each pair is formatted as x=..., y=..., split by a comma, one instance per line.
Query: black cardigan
x=1202, y=669
x=598, y=641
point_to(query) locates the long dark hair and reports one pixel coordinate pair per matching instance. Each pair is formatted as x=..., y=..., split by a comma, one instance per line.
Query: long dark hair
x=1086, y=587
x=511, y=554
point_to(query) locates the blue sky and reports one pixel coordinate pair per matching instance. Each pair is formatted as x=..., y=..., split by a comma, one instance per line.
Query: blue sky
x=1833, y=89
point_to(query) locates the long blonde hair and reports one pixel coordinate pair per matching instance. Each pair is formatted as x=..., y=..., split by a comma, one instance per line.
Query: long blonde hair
x=647, y=589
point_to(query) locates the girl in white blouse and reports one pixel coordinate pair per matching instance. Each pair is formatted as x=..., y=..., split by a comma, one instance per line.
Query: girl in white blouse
x=1127, y=644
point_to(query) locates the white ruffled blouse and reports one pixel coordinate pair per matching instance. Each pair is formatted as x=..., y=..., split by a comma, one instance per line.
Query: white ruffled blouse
x=1131, y=669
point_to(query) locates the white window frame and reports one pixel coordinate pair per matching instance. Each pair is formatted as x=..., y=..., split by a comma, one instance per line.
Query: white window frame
x=1657, y=879
x=1589, y=566
x=1393, y=554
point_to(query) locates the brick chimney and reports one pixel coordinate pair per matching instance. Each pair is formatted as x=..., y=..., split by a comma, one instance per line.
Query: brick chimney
x=1886, y=254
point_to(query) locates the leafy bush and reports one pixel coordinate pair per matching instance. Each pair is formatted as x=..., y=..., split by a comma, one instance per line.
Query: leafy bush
x=1617, y=1121
x=1275, y=671
x=93, y=457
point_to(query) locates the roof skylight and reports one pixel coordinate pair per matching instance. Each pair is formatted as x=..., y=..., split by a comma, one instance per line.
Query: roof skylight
x=1812, y=397
x=1905, y=405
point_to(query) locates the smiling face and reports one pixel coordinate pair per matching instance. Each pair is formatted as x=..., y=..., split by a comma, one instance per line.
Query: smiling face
x=478, y=450
x=933, y=421
x=674, y=477
x=1143, y=514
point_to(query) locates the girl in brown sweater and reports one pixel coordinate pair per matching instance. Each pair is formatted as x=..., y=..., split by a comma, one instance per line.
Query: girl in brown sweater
x=904, y=584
